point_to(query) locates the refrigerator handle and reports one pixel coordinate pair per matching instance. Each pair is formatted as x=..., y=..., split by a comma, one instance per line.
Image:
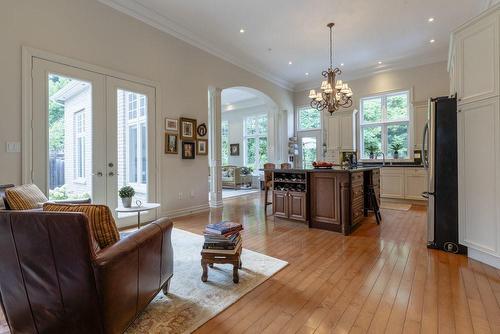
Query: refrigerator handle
x=424, y=140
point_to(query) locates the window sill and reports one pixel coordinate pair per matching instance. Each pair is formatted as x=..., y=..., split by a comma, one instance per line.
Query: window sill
x=80, y=181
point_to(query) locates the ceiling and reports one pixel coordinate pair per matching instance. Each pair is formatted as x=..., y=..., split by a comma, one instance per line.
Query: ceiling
x=395, y=32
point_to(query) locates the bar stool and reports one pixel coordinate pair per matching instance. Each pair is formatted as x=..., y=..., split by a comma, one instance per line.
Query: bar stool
x=286, y=165
x=268, y=182
x=373, y=203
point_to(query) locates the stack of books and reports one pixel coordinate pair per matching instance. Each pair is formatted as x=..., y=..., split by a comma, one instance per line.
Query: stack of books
x=223, y=237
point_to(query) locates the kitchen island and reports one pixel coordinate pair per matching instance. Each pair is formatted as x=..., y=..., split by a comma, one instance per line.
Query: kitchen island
x=332, y=199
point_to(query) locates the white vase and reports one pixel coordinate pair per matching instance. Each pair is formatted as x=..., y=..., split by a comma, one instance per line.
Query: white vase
x=127, y=202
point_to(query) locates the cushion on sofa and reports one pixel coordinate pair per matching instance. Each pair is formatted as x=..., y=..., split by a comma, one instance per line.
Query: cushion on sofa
x=100, y=218
x=25, y=197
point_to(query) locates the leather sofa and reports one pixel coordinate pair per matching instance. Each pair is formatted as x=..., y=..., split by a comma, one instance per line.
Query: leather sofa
x=53, y=281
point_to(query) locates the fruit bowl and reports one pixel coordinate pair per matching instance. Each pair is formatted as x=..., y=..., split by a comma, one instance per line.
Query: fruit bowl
x=322, y=164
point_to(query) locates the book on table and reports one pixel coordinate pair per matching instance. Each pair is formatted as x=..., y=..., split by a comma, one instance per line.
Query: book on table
x=223, y=227
x=223, y=251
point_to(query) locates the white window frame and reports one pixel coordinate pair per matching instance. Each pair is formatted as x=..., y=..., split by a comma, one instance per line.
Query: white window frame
x=297, y=119
x=137, y=122
x=257, y=135
x=79, y=154
x=384, y=123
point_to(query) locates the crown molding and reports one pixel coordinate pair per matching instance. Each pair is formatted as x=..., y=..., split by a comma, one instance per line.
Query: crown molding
x=148, y=16
x=368, y=72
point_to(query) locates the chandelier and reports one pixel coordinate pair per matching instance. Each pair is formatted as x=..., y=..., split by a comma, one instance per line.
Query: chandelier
x=333, y=93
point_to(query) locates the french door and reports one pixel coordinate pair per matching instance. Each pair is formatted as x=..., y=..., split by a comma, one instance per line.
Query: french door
x=309, y=148
x=92, y=134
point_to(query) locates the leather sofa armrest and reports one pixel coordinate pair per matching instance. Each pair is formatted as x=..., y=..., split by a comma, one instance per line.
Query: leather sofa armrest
x=132, y=271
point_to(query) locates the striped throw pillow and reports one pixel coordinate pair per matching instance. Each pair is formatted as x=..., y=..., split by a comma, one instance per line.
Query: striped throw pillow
x=25, y=197
x=100, y=218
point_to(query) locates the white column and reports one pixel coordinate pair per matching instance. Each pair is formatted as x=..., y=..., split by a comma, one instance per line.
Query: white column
x=214, y=137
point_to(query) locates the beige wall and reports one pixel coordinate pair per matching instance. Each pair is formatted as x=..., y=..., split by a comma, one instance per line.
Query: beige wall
x=426, y=81
x=94, y=33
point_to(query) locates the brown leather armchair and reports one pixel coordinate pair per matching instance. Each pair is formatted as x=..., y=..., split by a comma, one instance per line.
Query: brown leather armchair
x=52, y=280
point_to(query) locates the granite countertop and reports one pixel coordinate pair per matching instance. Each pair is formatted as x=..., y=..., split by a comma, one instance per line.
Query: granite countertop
x=335, y=169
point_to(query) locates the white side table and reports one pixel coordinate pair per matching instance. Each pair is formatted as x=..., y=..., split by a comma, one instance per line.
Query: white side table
x=143, y=208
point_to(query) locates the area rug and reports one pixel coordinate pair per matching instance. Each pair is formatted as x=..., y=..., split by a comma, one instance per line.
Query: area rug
x=229, y=193
x=190, y=302
x=395, y=206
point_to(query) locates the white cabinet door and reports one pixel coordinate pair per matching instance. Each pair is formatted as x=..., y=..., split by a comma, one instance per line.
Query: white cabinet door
x=479, y=175
x=415, y=183
x=334, y=133
x=347, y=131
x=419, y=120
x=392, y=182
x=477, y=56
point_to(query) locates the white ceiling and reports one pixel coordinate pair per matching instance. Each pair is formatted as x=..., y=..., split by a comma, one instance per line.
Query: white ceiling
x=395, y=32
x=236, y=95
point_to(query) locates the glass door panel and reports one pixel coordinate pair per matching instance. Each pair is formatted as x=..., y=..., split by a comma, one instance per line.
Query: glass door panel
x=309, y=151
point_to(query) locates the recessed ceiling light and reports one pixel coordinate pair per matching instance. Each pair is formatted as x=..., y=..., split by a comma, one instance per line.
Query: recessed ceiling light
x=341, y=64
x=430, y=19
x=432, y=41
x=242, y=31
x=307, y=73
x=380, y=63
x=290, y=62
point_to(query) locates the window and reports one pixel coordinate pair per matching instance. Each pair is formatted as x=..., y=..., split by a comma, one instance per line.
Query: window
x=385, y=125
x=308, y=119
x=137, y=140
x=255, y=141
x=79, y=130
x=225, y=142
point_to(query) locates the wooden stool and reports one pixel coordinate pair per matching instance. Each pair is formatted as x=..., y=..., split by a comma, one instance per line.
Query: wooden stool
x=373, y=203
x=209, y=259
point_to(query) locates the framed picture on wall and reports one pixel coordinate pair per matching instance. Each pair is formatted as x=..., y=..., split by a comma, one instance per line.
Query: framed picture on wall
x=171, y=143
x=234, y=149
x=188, y=128
x=188, y=150
x=171, y=125
x=202, y=147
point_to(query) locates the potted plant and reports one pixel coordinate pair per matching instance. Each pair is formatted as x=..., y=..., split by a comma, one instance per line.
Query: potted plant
x=372, y=149
x=126, y=193
x=395, y=147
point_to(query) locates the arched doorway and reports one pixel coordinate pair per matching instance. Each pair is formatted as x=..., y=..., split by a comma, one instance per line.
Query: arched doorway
x=246, y=105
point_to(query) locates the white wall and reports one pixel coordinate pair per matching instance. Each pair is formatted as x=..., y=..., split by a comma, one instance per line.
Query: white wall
x=94, y=33
x=236, y=118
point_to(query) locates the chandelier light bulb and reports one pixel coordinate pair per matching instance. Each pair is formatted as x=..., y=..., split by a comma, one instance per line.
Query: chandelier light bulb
x=312, y=94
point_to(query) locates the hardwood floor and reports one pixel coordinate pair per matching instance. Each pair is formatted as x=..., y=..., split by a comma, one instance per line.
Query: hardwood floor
x=381, y=279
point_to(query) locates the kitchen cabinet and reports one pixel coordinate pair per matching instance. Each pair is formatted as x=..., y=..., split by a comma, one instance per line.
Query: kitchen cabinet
x=475, y=71
x=415, y=183
x=403, y=183
x=289, y=205
x=419, y=121
x=342, y=131
x=392, y=183
x=474, y=58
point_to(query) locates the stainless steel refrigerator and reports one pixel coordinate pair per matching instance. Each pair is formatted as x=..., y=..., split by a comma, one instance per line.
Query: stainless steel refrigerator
x=440, y=158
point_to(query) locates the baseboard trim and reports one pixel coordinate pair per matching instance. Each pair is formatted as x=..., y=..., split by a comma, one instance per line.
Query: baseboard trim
x=185, y=211
x=480, y=256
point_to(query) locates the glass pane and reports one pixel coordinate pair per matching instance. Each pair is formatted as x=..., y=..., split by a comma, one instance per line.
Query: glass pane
x=262, y=151
x=309, y=119
x=309, y=151
x=251, y=125
x=372, y=109
x=132, y=143
x=397, y=141
x=372, y=141
x=397, y=107
x=262, y=125
x=225, y=142
x=250, y=153
x=70, y=138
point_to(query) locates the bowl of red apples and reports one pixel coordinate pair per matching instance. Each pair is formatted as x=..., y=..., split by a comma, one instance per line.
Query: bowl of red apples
x=322, y=164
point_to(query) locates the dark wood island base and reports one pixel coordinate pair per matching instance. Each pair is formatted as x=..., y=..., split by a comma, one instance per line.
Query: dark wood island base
x=331, y=199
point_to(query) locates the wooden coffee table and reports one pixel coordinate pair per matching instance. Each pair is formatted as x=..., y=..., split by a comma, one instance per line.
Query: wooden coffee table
x=209, y=259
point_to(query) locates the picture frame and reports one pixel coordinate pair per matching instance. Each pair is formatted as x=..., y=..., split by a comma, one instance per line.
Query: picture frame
x=188, y=150
x=202, y=147
x=201, y=130
x=171, y=143
x=234, y=150
x=171, y=125
x=187, y=128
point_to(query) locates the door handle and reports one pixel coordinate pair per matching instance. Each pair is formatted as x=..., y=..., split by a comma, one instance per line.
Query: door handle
x=99, y=174
x=111, y=174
